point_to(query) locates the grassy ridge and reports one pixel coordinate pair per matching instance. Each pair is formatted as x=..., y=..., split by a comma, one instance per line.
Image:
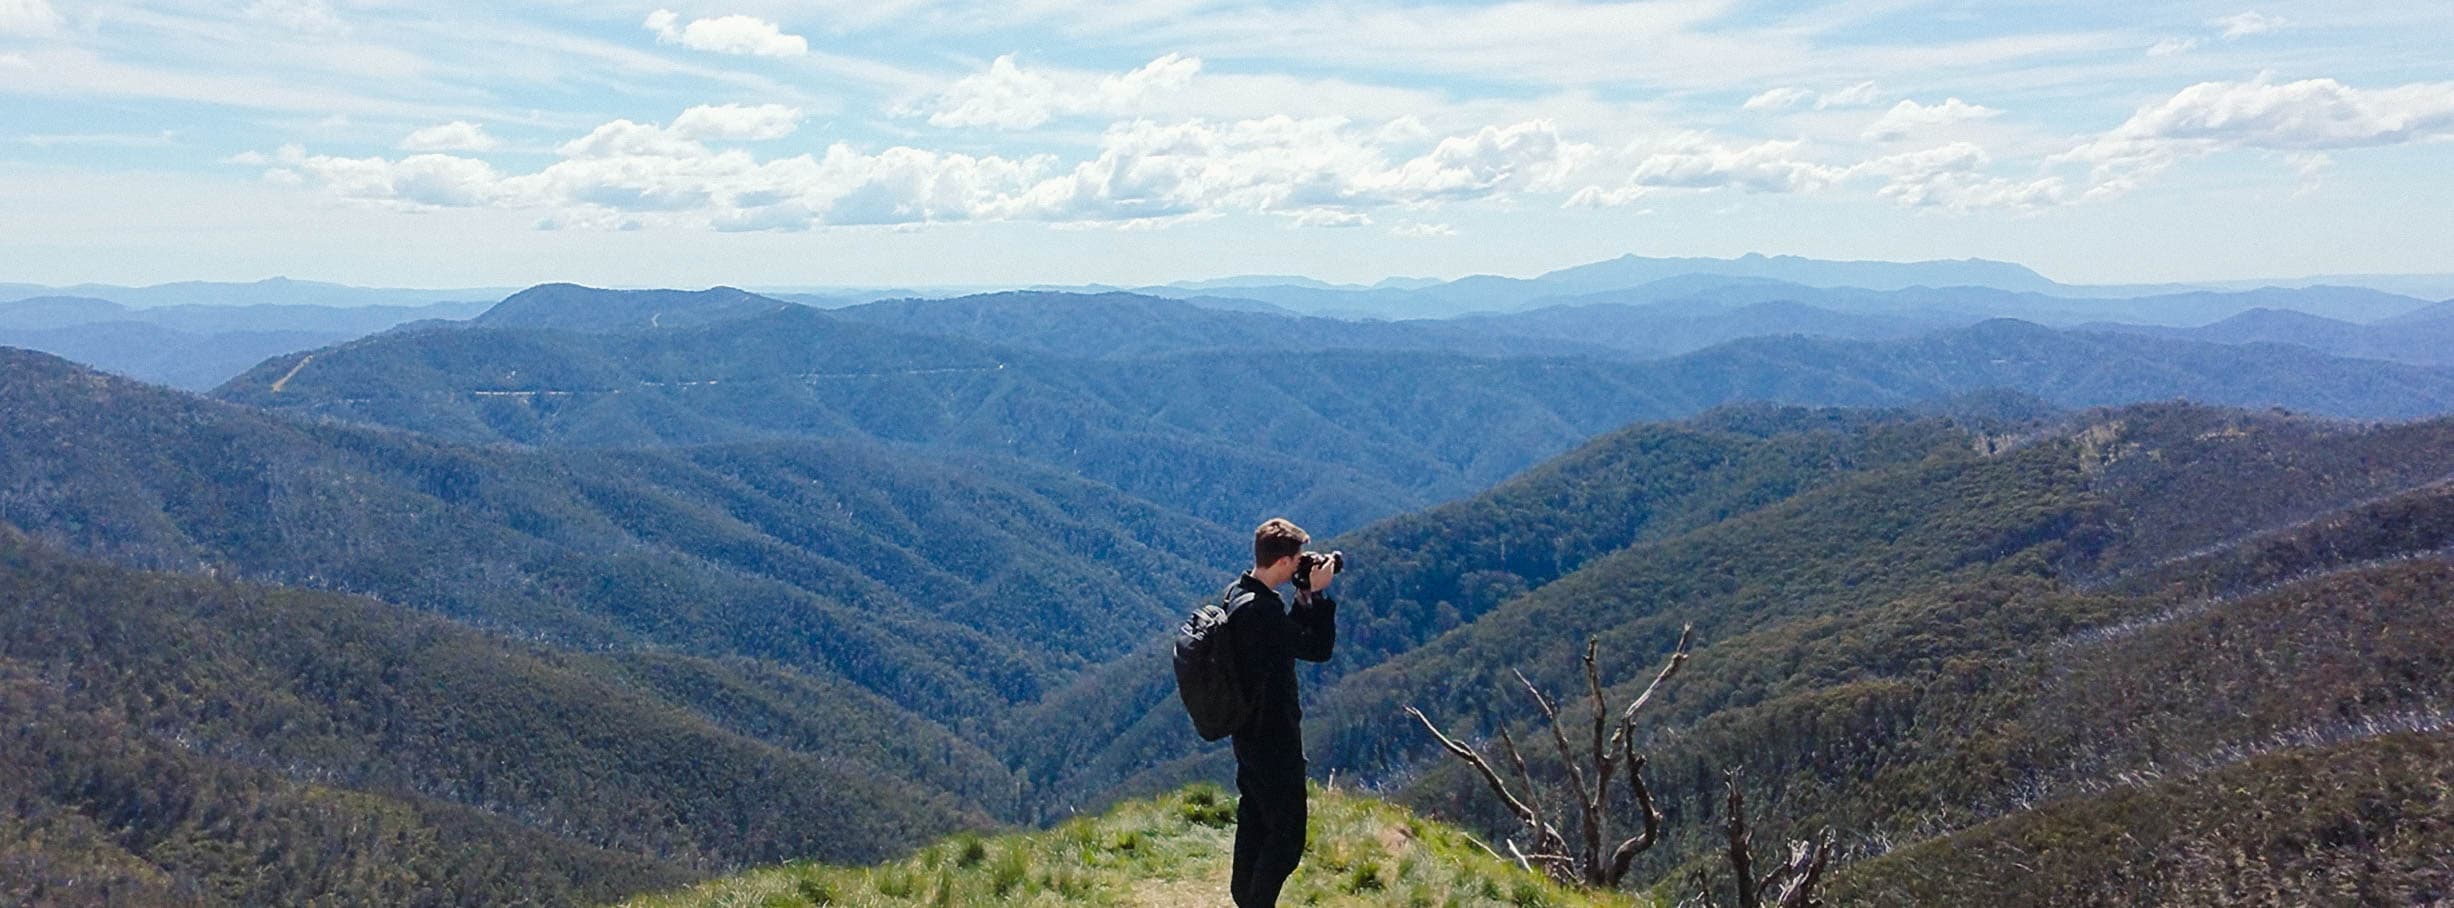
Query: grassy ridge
x=1164, y=852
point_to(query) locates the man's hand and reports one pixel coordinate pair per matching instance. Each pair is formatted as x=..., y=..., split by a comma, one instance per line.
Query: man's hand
x=1322, y=574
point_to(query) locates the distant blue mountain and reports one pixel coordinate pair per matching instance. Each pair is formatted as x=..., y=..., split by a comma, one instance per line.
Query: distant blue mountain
x=1631, y=270
x=165, y=356
x=195, y=347
x=2434, y=312
x=277, y=291
x=1973, y=287
x=2418, y=341
x=1126, y=325
x=46, y=312
x=571, y=307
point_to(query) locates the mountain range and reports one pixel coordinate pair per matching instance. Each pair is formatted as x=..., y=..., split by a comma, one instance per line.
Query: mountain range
x=601, y=592
x=1630, y=306
x=1355, y=434
x=194, y=346
x=276, y=291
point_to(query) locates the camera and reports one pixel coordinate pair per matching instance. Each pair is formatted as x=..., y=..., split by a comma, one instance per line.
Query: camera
x=1307, y=561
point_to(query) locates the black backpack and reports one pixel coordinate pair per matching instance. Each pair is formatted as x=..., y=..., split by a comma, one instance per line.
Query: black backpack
x=1206, y=674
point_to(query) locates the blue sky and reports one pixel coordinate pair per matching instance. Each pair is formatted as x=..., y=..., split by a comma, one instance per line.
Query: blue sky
x=813, y=142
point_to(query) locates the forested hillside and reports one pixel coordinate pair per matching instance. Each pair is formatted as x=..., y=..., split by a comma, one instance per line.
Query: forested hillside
x=1129, y=325
x=921, y=581
x=193, y=740
x=1427, y=575
x=1342, y=436
x=948, y=591
x=2008, y=656
x=2036, y=619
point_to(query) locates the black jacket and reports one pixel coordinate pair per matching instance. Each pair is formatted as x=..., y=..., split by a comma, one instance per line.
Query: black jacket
x=1269, y=637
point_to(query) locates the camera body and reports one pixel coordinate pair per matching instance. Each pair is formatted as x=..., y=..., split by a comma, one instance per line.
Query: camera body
x=1305, y=562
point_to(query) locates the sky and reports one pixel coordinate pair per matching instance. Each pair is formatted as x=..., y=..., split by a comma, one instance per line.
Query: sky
x=445, y=143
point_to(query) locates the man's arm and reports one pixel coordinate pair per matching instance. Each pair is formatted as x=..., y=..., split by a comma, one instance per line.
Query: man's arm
x=1315, y=617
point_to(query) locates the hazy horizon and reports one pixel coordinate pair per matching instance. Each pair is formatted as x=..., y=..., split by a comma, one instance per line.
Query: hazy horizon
x=790, y=287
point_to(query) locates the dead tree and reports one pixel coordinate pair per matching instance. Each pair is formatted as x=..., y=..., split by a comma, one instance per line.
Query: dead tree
x=1791, y=884
x=1612, y=748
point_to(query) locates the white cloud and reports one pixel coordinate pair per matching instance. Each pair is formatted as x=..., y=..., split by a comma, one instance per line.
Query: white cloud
x=1328, y=217
x=33, y=18
x=1524, y=156
x=1005, y=96
x=625, y=174
x=1167, y=73
x=738, y=122
x=1785, y=97
x=1421, y=229
x=623, y=138
x=2311, y=167
x=312, y=17
x=684, y=138
x=2308, y=114
x=1311, y=172
x=2171, y=46
x=1954, y=177
x=1301, y=168
x=412, y=183
x=1859, y=95
x=2304, y=116
x=2243, y=25
x=458, y=135
x=2231, y=28
x=1908, y=117
x=1762, y=167
x=1009, y=96
x=1697, y=162
x=1777, y=98
x=726, y=35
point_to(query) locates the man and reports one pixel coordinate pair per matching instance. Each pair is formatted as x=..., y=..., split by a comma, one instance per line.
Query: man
x=1268, y=638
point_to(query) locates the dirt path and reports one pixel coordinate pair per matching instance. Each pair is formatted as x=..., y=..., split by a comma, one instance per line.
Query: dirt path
x=284, y=380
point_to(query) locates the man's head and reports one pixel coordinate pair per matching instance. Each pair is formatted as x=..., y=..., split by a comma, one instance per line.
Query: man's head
x=1276, y=543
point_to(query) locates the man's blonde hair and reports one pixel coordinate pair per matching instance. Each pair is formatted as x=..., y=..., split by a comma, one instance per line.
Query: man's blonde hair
x=1277, y=538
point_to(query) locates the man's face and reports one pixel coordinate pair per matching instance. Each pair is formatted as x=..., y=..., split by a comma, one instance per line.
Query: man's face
x=1280, y=570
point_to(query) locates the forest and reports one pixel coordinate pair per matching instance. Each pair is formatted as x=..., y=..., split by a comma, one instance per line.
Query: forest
x=571, y=612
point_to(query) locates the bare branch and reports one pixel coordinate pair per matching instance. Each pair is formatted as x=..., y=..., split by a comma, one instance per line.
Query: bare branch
x=1580, y=792
x=1476, y=760
x=1601, y=713
x=1807, y=868
x=1536, y=824
x=1478, y=843
x=1678, y=657
x=1625, y=855
x=1587, y=780
x=1734, y=827
x=1703, y=895
x=1604, y=764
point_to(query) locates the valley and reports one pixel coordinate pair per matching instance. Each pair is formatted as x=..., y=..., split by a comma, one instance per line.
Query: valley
x=831, y=585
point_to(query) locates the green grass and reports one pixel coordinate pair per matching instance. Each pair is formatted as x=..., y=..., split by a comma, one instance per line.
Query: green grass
x=1168, y=851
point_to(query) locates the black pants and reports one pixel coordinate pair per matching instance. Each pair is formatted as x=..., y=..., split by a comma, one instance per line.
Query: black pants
x=1270, y=816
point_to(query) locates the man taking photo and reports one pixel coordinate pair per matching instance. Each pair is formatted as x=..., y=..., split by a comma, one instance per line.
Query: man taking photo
x=1267, y=638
